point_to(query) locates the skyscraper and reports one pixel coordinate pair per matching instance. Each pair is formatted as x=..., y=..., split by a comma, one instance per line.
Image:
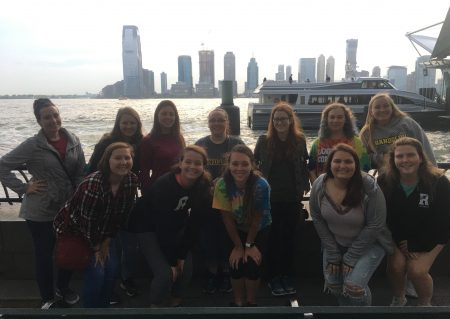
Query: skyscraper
x=279, y=76
x=252, y=77
x=321, y=69
x=132, y=62
x=307, y=70
x=149, y=83
x=288, y=72
x=329, y=69
x=229, y=70
x=185, y=70
x=376, y=72
x=350, y=64
x=206, y=63
x=163, y=83
x=397, y=76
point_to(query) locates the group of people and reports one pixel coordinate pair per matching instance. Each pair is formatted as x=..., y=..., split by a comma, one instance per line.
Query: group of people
x=240, y=208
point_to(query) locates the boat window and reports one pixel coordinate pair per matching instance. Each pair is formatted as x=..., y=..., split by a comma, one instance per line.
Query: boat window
x=401, y=100
x=302, y=99
x=292, y=98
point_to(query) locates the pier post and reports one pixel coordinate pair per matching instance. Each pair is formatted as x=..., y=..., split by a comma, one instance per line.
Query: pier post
x=231, y=109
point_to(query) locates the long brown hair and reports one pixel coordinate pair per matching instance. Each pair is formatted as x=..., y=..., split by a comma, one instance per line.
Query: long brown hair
x=354, y=194
x=349, y=128
x=175, y=130
x=427, y=172
x=295, y=134
x=250, y=185
x=103, y=164
x=367, y=130
x=116, y=133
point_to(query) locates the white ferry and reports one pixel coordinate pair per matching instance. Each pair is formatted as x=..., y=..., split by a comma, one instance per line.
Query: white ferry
x=309, y=99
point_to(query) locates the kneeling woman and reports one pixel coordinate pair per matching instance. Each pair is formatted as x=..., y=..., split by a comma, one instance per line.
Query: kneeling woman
x=243, y=197
x=98, y=209
x=349, y=214
x=170, y=205
x=417, y=198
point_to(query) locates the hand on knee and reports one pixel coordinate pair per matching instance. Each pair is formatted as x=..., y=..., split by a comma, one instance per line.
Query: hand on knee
x=354, y=291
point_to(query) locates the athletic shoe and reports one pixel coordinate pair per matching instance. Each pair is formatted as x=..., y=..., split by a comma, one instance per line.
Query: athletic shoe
x=410, y=291
x=211, y=283
x=68, y=295
x=398, y=301
x=286, y=282
x=225, y=284
x=129, y=287
x=276, y=287
x=53, y=303
x=115, y=299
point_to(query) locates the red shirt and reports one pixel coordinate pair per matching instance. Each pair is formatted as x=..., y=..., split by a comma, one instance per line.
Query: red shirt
x=60, y=145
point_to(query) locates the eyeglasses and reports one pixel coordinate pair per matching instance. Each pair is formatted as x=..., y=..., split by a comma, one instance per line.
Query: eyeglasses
x=216, y=121
x=280, y=119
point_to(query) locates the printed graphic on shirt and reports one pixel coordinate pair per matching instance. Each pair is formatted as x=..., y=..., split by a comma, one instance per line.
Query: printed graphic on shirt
x=388, y=140
x=181, y=203
x=423, y=200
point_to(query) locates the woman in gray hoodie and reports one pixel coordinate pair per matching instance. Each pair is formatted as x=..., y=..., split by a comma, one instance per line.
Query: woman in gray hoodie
x=349, y=213
x=55, y=160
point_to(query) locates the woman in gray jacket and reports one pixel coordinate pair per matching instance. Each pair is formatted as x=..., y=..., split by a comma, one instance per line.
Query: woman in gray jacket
x=349, y=213
x=55, y=160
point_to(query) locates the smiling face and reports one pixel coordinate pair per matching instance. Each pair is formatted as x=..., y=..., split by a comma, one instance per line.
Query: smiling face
x=343, y=165
x=217, y=123
x=49, y=120
x=336, y=120
x=191, y=166
x=281, y=122
x=240, y=167
x=166, y=118
x=128, y=125
x=381, y=111
x=407, y=160
x=120, y=162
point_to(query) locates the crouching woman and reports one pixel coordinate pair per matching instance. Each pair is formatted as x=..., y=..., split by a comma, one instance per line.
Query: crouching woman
x=349, y=214
x=98, y=209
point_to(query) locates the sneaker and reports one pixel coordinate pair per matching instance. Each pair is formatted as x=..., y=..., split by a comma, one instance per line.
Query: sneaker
x=225, y=284
x=129, y=287
x=68, y=295
x=115, y=299
x=286, y=282
x=398, y=301
x=211, y=283
x=53, y=303
x=276, y=287
x=410, y=291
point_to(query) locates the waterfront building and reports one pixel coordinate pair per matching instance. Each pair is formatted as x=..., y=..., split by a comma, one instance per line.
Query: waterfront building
x=425, y=77
x=411, y=82
x=350, y=64
x=185, y=72
x=205, y=86
x=362, y=73
x=181, y=90
x=132, y=62
x=307, y=70
x=252, y=77
x=229, y=71
x=163, y=83
x=279, y=76
x=329, y=69
x=112, y=91
x=321, y=69
x=376, y=72
x=288, y=72
x=397, y=76
x=149, y=83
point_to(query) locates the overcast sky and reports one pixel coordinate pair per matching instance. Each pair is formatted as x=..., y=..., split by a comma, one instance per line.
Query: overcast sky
x=72, y=47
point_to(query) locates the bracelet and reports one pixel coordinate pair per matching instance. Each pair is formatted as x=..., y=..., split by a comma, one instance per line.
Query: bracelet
x=249, y=245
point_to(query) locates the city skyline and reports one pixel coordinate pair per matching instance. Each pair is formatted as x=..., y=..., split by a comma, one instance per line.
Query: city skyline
x=51, y=47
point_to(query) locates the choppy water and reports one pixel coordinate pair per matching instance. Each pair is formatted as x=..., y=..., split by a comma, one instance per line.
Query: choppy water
x=89, y=119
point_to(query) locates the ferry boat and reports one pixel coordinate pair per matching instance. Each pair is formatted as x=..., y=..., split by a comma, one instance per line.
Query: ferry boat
x=309, y=100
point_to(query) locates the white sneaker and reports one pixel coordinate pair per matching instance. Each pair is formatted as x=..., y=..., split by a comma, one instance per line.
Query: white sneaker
x=398, y=301
x=410, y=291
x=49, y=304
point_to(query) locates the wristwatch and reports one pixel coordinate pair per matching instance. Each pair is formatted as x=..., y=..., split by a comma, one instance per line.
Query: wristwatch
x=249, y=245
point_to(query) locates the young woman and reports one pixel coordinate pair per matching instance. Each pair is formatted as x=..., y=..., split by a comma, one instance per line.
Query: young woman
x=418, y=199
x=281, y=157
x=349, y=214
x=98, y=209
x=159, y=150
x=167, y=224
x=337, y=125
x=55, y=160
x=127, y=128
x=213, y=236
x=243, y=198
x=385, y=123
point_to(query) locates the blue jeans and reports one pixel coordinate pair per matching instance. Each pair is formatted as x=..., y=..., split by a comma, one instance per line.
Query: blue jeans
x=129, y=252
x=99, y=281
x=341, y=285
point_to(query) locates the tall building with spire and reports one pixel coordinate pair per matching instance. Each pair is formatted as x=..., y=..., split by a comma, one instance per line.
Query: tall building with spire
x=350, y=62
x=132, y=62
x=321, y=69
x=329, y=69
x=229, y=70
x=252, y=77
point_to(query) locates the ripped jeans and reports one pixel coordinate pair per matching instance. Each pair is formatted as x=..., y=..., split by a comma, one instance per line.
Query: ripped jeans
x=352, y=289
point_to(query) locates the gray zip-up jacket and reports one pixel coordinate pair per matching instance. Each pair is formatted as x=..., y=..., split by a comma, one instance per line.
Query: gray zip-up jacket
x=42, y=164
x=375, y=229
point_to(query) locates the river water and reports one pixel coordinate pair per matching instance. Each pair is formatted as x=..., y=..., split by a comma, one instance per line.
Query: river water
x=89, y=119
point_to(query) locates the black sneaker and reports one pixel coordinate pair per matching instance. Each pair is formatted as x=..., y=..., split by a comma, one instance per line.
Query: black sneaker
x=68, y=295
x=286, y=282
x=225, y=283
x=211, y=284
x=115, y=299
x=276, y=287
x=129, y=287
